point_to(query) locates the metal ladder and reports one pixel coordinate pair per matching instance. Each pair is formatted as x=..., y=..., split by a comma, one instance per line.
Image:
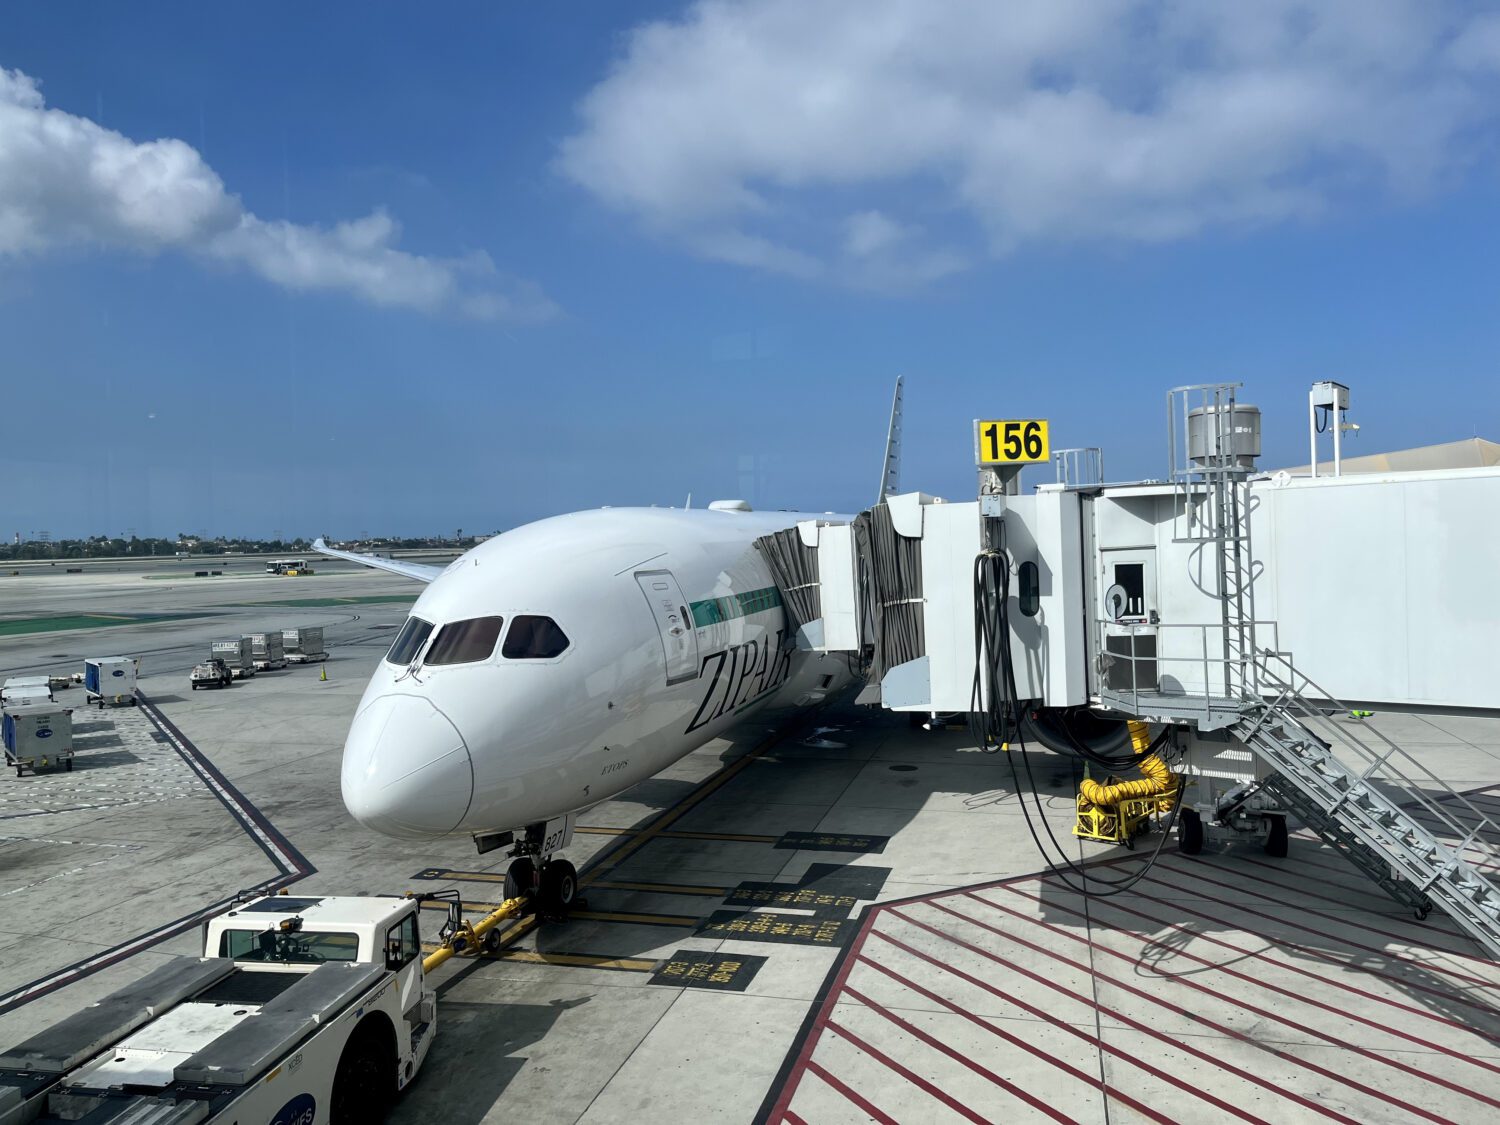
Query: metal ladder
x=1421, y=841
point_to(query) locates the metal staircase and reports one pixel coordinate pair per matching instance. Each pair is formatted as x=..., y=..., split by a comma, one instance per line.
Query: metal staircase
x=1422, y=842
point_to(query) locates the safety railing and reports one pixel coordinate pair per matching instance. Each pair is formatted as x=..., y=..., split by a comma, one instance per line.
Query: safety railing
x=1079, y=468
x=1209, y=677
x=1413, y=785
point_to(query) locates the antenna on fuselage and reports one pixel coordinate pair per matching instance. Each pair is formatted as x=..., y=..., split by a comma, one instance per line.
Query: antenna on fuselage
x=689, y=503
x=890, y=476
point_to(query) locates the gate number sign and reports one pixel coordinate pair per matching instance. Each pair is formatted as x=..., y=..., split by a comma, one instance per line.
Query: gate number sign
x=1017, y=441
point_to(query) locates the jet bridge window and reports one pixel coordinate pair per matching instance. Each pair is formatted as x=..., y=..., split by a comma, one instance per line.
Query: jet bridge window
x=534, y=638
x=409, y=641
x=464, y=642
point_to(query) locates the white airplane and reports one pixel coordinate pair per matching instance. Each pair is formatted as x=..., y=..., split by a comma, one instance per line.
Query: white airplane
x=558, y=664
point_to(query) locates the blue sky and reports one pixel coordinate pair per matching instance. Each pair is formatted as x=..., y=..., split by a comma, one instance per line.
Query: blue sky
x=611, y=254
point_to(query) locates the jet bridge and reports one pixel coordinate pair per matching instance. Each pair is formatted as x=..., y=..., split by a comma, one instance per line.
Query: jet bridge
x=1190, y=602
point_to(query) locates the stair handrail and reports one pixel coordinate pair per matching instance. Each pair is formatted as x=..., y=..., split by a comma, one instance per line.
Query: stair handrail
x=1439, y=808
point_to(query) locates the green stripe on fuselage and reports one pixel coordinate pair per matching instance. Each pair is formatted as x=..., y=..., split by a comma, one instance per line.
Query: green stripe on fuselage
x=713, y=611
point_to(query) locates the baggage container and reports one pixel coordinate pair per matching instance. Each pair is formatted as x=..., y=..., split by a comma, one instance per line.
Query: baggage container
x=29, y=689
x=37, y=736
x=266, y=650
x=304, y=645
x=237, y=655
x=110, y=680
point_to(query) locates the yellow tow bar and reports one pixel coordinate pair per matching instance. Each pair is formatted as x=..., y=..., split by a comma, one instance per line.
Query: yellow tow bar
x=469, y=937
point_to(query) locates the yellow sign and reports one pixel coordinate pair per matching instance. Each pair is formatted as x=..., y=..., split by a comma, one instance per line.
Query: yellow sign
x=1018, y=441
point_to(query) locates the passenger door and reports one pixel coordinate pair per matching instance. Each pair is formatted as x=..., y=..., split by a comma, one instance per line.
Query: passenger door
x=679, y=640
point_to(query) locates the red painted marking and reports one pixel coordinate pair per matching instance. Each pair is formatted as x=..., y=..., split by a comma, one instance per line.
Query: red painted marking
x=921, y=1083
x=809, y=1044
x=1191, y=869
x=1097, y=1042
x=1300, y=888
x=1336, y=863
x=1176, y=1044
x=1298, y=997
x=1177, y=906
x=863, y=1104
x=792, y=1118
x=1395, y=956
x=918, y=1033
x=1369, y=1091
x=1287, y=966
x=1016, y=1041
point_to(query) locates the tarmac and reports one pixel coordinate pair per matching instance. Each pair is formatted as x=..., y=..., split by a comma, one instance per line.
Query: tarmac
x=823, y=918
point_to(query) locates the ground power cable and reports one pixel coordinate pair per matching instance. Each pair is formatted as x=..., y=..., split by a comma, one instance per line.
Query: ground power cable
x=995, y=719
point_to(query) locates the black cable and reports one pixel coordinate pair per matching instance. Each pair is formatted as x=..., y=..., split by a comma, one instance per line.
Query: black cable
x=995, y=719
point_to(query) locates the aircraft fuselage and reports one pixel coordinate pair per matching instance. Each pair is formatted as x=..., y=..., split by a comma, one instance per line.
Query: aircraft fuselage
x=674, y=631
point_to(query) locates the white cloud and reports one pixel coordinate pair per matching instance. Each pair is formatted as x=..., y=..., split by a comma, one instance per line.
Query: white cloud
x=787, y=134
x=67, y=181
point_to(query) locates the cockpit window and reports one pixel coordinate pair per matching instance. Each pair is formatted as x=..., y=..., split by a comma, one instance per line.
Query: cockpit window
x=463, y=642
x=534, y=638
x=409, y=641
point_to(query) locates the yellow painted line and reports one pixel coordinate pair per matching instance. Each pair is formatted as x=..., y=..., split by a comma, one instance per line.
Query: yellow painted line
x=634, y=918
x=618, y=855
x=662, y=888
x=520, y=930
x=680, y=835
x=581, y=960
x=587, y=915
x=470, y=876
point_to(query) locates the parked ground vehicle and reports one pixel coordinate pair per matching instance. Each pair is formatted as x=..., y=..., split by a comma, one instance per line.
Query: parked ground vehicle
x=211, y=673
x=304, y=1009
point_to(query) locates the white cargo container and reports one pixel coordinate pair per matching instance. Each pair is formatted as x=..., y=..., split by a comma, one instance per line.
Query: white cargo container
x=266, y=651
x=110, y=680
x=237, y=656
x=26, y=688
x=304, y=645
x=37, y=736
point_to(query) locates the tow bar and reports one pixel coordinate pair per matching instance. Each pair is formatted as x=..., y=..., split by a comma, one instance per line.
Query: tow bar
x=459, y=935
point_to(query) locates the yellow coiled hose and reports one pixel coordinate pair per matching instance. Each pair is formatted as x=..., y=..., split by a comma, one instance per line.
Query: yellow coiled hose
x=1156, y=777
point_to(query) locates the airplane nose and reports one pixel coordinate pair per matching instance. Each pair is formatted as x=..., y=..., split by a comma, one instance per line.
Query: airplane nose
x=406, y=770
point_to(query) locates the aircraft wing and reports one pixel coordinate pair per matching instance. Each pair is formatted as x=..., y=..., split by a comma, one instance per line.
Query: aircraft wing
x=405, y=569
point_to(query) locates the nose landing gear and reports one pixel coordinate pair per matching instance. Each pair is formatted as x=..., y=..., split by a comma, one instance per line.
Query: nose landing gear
x=551, y=883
